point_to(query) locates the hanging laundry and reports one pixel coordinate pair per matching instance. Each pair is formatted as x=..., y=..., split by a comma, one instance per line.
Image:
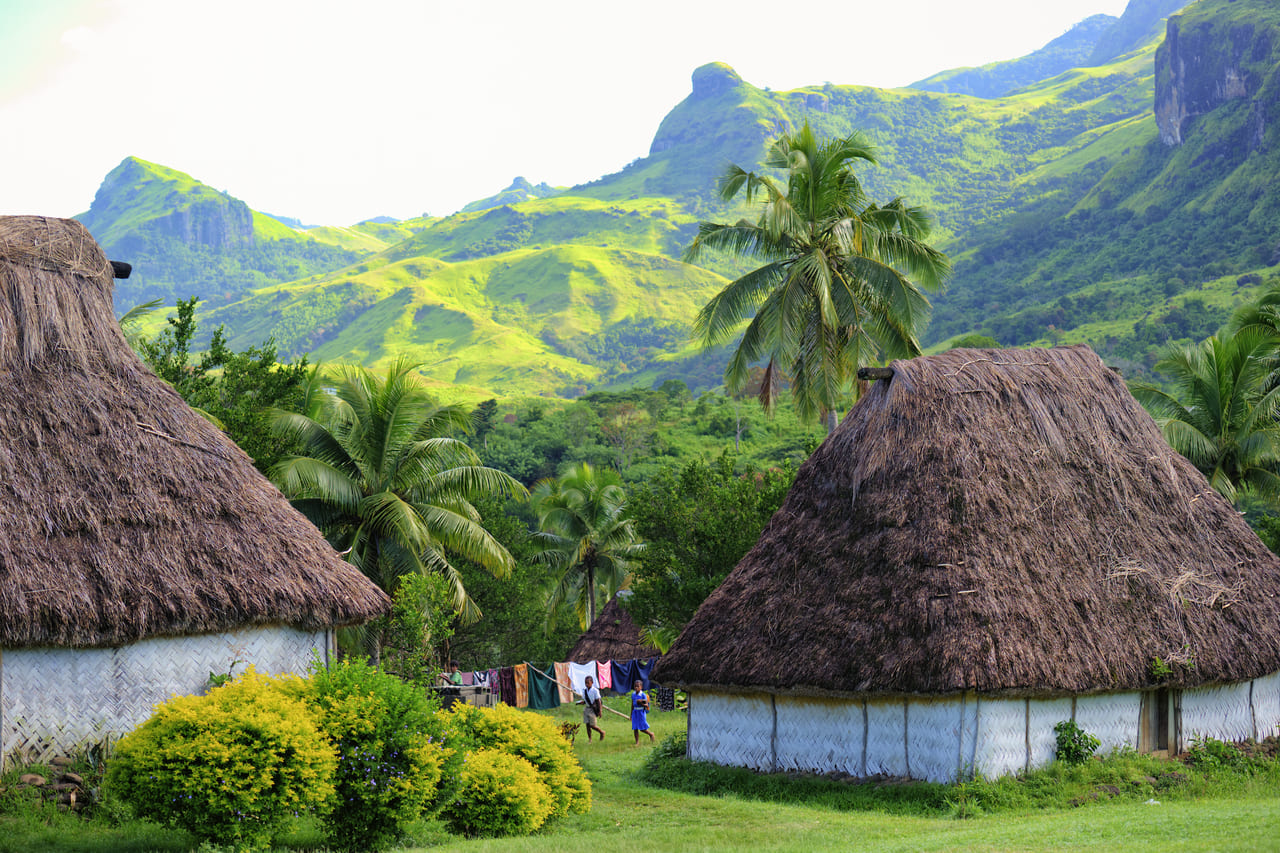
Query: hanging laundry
x=468, y=678
x=480, y=678
x=507, y=677
x=543, y=694
x=605, y=671
x=522, y=685
x=562, y=683
x=623, y=673
x=643, y=668
x=578, y=673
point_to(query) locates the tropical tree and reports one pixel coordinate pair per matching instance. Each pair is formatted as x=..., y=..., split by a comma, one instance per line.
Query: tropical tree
x=586, y=534
x=842, y=281
x=1222, y=416
x=382, y=477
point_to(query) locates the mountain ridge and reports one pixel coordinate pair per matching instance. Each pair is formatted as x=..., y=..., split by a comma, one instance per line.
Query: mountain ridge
x=1044, y=197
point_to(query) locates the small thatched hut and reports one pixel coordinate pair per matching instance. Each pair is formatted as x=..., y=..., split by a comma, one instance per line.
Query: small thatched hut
x=613, y=636
x=139, y=548
x=990, y=543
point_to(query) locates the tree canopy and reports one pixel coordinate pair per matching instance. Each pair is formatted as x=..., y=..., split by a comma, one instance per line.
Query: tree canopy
x=842, y=280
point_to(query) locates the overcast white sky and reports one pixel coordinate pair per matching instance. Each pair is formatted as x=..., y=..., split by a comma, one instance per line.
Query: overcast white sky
x=334, y=112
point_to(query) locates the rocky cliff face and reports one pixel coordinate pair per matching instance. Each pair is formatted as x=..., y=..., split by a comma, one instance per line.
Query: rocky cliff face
x=1206, y=61
x=216, y=224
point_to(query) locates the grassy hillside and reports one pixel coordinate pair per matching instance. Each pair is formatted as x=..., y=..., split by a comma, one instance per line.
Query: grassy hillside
x=184, y=238
x=529, y=320
x=1066, y=215
x=1160, y=222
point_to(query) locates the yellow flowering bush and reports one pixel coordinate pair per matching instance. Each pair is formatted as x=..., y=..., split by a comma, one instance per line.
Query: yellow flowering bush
x=391, y=752
x=228, y=767
x=498, y=794
x=536, y=739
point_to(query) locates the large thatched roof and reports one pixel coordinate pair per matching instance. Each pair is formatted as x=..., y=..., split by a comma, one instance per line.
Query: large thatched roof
x=123, y=514
x=1000, y=521
x=613, y=636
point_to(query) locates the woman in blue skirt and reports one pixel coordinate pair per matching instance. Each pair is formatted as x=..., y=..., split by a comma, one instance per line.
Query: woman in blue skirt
x=640, y=711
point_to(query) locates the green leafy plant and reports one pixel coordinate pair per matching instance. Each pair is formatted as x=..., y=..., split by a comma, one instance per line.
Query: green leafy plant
x=1075, y=745
x=536, y=739
x=228, y=767
x=391, y=755
x=499, y=794
x=1208, y=752
x=1160, y=668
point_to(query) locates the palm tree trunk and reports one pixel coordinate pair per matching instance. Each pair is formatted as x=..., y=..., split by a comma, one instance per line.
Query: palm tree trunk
x=591, y=594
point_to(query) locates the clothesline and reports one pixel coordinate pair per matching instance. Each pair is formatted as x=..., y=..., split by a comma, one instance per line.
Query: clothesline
x=516, y=686
x=575, y=692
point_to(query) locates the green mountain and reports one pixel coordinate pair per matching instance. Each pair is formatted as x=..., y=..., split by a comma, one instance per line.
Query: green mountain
x=1069, y=50
x=520, y=190
x=1177, y=229
x=1121, y=203
x=186, y=238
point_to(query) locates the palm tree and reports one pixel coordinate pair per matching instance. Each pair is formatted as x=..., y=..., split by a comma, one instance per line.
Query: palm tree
x=1223, y=417
x=585, y=534
x=842, y=277
x=388, y=486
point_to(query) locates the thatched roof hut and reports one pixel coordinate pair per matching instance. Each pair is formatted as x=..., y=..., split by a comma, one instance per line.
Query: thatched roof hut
x=992, y=524
x=126, y=516
x=613, y=636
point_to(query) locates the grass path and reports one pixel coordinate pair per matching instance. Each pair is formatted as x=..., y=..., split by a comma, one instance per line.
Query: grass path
x=628, y=816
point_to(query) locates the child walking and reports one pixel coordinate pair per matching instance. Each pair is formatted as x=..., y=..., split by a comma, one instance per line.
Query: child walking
x=640, y=711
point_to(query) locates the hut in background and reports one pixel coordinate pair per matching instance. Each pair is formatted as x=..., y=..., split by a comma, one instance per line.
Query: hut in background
x=140, y=550
x=613, y=636
x=990, y=543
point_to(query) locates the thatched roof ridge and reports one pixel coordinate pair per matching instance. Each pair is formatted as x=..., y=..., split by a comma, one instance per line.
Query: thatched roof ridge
x=123, y=514
x=1004, y=521
x=613, y=636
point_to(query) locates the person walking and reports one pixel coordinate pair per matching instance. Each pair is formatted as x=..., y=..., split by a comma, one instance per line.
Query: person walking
x=591, y=711
x=639, y=711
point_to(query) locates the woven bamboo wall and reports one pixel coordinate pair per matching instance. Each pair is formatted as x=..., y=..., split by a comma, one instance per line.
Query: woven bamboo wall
x=1110, y=717
x=58, y=701
x=1266, y=705
x=1224, y=712
x=946, y=739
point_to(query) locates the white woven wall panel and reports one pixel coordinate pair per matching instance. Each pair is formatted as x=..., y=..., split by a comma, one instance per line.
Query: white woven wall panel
x=1042, y=716
x=821, y=735
x=1266, y=704
x=886, y=739
x=1112, y=718
x=730, y=729
x=1218, y=712
x=50, y=701
x=1001, y=746
x=968, y=735
x=56, y=701
x=935, y=739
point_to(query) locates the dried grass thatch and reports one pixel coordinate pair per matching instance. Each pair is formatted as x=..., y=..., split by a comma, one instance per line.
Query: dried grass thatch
x=613, y=636
x=1006, y=521
x=124, y=514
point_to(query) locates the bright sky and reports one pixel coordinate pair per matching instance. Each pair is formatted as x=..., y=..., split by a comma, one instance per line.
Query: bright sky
x=334, y=112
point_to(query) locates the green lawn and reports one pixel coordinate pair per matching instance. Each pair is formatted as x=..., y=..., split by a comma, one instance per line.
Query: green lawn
x=628, y=815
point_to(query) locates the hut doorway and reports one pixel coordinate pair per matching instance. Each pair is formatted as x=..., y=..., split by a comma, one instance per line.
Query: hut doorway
x=1158, y=721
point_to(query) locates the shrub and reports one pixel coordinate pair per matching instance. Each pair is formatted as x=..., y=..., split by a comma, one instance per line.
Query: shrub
x=1207, y=752
x=536, y=739
x=228, y=767
x=1075, y=745
x=390, y=753
x=499, y=794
